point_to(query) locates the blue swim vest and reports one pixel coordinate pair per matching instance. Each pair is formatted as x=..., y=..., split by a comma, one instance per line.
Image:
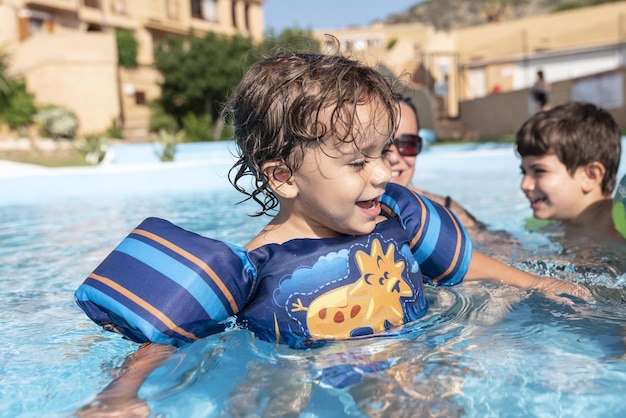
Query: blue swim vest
x=619, y=208
x=171, y=286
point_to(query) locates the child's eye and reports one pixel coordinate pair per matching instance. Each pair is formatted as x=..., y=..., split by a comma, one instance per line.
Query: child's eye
x=358, y=164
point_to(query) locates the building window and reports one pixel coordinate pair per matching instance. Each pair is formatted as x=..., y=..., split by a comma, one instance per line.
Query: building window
x=233, y=9
x=204, y=9
x=92, y=3
x=118, y=7
x=359, y=44
x=375, y=43
x=94, y=27
x=32, y=22
x=140, y=98
x=362, y=44
x=34, y=26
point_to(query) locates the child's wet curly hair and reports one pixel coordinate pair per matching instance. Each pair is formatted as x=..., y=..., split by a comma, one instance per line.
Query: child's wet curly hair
x=291, y=101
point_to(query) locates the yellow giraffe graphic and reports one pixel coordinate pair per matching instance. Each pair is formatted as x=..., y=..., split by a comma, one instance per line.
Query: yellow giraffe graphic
x=370, y=302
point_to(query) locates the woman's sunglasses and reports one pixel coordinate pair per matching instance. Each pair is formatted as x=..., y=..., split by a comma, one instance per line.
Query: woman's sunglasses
x=409, y=145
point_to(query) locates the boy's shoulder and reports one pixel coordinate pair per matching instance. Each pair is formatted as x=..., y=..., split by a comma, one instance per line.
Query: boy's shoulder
x=600, y=228
x=618, y=212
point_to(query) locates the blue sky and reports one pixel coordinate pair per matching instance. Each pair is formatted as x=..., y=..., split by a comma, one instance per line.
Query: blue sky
x=328, y=14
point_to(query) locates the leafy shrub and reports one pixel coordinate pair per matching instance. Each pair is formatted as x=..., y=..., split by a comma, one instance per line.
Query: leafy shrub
x=19, y=108
x=196, y=127
x=166, y=144
x=569, y=5
x=93, y=148
x=56, y=122
x=127, y=47
x=159, y=119
x=114, y=131
x=6, y=85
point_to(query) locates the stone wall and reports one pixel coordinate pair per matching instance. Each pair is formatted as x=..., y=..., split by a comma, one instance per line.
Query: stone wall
x=503, y=113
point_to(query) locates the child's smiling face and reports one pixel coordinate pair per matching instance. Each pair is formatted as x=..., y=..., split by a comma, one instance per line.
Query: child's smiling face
x=340, y=183
x=553, y=192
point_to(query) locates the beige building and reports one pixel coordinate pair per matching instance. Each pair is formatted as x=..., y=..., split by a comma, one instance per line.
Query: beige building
x=66, y=50
x=485, y=61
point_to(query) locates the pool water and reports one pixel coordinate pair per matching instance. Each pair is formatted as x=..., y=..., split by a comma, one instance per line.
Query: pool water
x=482, y=350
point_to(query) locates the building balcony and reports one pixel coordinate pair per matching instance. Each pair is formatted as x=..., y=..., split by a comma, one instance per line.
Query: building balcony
x=106, y=13
x=51, y=5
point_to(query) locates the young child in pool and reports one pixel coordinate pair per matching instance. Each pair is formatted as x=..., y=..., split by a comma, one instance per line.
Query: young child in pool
x=570, y=158
x=345, y=255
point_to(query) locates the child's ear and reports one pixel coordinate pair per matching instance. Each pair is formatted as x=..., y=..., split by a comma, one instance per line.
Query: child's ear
x=280, y=179
x=594, y=173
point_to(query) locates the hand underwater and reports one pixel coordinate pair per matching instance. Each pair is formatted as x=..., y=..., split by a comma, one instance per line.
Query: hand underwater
x=114, y=408
x=553, y=288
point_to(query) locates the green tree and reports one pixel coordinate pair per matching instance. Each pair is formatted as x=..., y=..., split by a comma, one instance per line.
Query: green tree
x=198, y=73
x=160, y=119
x=19, y=107
x=196, y=127
x=127, y=48
x=293, y=38
x=5, y=82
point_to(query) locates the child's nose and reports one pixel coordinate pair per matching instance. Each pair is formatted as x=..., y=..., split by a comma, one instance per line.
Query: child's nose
x=527, y=183
x=381, y=172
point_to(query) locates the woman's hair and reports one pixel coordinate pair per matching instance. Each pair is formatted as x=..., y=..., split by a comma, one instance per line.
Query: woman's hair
x=291, y=101
x=578, y=134
x=407, y=101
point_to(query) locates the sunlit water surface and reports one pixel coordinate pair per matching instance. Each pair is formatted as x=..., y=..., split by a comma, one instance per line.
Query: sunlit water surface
x=482, y=350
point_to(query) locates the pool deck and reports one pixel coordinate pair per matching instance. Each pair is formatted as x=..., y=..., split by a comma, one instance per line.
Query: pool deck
x=11, y=168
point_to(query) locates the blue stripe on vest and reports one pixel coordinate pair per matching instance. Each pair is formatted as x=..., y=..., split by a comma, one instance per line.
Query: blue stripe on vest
x=467, y=251
x=151, y=286
x=90, y=294
x=430, y=238
x=177, y=272
x=392, y=203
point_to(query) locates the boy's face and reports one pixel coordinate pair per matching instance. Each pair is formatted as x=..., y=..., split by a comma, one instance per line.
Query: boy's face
x=339, y=185
x=553, y=193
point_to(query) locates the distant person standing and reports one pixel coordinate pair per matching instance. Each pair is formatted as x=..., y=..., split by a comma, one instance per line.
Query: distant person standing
x=541, y=92
x=441, y=94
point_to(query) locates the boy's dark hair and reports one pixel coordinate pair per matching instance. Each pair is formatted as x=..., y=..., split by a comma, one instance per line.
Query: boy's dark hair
x=278, y=111
x=577, y=133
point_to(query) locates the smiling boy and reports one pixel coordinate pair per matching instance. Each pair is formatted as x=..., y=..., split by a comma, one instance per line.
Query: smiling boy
x=570, y=158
